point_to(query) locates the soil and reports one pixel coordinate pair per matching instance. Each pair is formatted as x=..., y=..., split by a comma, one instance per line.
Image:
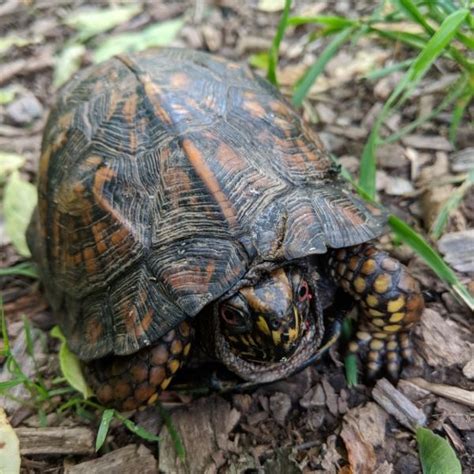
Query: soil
x=311, y=422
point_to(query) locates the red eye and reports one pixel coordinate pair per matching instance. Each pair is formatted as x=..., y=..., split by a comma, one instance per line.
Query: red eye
x=230, y=315
x=303, y=292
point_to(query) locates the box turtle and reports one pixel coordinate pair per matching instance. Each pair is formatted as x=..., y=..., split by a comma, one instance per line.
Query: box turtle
x=182, y=199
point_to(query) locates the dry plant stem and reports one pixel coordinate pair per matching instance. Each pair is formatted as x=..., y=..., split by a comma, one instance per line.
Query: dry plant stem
x=456, y=394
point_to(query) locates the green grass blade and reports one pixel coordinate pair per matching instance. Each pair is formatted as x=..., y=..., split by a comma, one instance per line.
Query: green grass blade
x=22, y=269
x=9, y=384
x=273, y=53
x=405, y=233
x=310, y=76
x=337, y=22
x=368, y=162
x=452, y=203
x=457, y=90
x=385, y=71
x=107, y=417
x=411, y=39
x=178, y=443
x=459, y=111
x=436, y=454
x=435, y=46
x=409, y=7
x=5, y=338
x=415, y=73
x=136, y=429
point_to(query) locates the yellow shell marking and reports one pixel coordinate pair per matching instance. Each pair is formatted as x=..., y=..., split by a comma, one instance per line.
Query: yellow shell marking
x=173, y=365
x=382, y=283
x=263, y=326
x=187, y=348
x=395, y=305
x=376, y=345
x=392, y=328
x=392, y=345
x=396, y=317
x=165, y=383
x=152, y=399
x=359, y=284
x=372, y=300
x=368, y=267
x=375, y=313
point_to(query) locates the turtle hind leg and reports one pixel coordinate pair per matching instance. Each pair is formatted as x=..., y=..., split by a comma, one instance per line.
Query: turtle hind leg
x=127, y=382
x=390, y=301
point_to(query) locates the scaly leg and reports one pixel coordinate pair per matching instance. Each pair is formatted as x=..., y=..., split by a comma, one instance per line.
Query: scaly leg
x=126, y=382
x=390, y=302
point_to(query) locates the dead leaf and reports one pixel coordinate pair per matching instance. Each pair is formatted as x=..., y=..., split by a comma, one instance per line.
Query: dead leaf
x=9, y=447
x=360, y=453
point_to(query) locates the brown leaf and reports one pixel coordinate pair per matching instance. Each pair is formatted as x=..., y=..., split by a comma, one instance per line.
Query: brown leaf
x=361, y=454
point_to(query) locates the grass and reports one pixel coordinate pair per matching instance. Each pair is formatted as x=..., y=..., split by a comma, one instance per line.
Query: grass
x=444, y=30
x=47, y=396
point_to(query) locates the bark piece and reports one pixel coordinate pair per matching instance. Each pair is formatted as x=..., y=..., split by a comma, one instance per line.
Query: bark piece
x=128, y=459
x=458, y=249
x=203, y=427
x=444, y=343
x=463, y=160
x=53, y=441
x=314, y=397
x=280, y=406
x=456, y=394
x=434, y=142
x=395, y=403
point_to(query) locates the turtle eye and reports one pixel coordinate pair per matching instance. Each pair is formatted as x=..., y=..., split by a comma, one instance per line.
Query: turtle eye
x=231, y=316
x=303, y=291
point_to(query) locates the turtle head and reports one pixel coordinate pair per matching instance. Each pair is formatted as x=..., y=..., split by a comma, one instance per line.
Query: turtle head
x=265, y=322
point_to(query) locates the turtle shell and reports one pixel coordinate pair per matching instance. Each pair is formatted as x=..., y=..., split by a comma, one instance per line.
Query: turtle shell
x=164, y=177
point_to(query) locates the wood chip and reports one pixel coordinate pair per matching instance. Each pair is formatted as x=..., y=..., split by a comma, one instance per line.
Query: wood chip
x=458, y=249
x=26, y=66
x=280, y=406
x=314, y=397
x=463, y=160
x=456, y=394
x=331, y=397
x=443, y=342
x=468, y=370
x=130, y=458
x=54, y=441
x=204, y=428
x=434, y=142
x=395, y=403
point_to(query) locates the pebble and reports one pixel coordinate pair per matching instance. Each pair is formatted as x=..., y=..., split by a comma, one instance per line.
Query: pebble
x=24, y=110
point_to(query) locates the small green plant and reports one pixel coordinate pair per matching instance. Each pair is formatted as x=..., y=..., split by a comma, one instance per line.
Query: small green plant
x=71, y=384
x=444, y=29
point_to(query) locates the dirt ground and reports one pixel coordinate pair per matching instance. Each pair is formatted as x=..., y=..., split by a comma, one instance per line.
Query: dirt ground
x=311, y=422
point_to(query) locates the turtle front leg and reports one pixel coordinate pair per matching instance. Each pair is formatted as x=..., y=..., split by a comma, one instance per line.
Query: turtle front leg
x=390, y=301
x=127, y=382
